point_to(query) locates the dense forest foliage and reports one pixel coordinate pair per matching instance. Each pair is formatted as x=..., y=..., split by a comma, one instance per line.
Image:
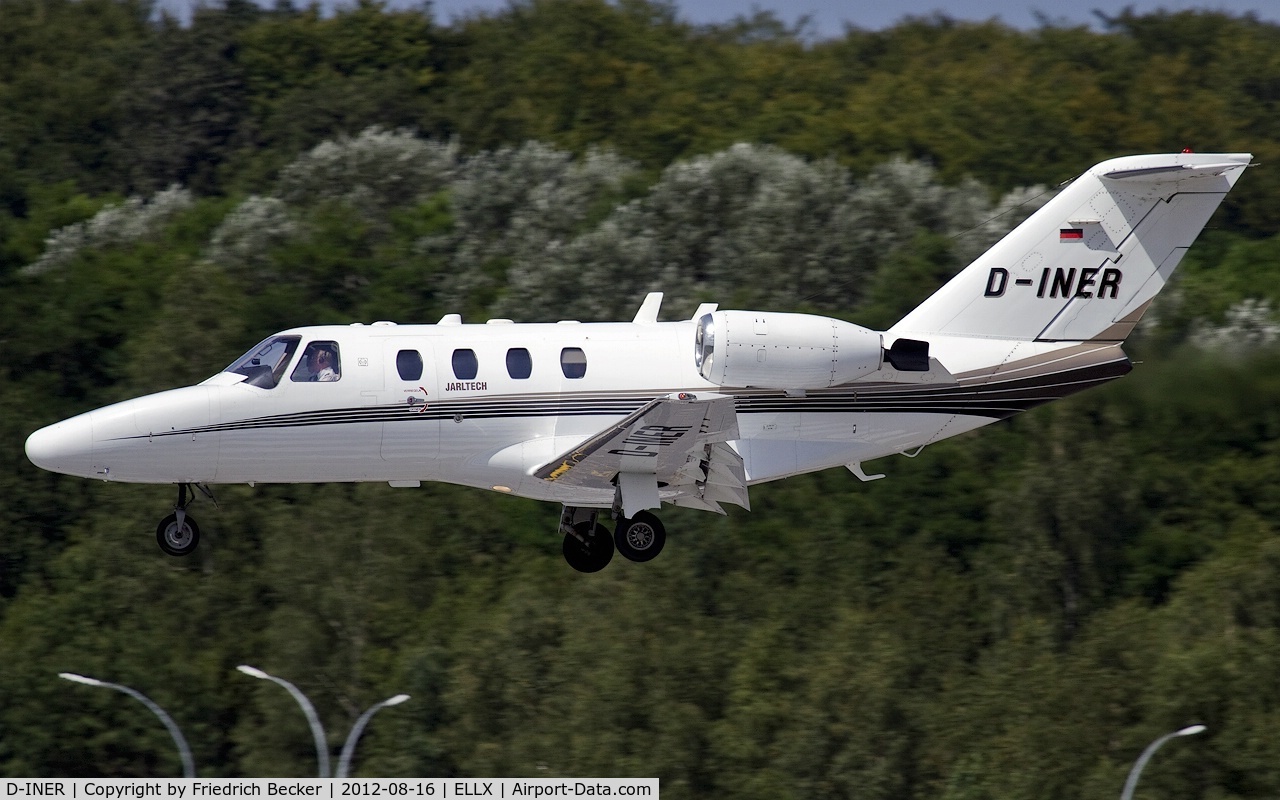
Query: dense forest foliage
x=1015, y=613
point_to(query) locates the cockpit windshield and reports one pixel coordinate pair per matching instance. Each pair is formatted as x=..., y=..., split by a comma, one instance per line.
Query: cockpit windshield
x=264, y=365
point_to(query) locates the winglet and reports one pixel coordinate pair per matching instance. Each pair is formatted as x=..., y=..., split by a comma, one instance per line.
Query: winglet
x=648, y=312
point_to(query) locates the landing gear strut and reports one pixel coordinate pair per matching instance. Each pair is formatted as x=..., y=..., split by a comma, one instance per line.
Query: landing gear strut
x=588, y=547
x=178, y=534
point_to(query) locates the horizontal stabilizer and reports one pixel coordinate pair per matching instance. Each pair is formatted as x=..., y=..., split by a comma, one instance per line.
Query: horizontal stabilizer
x=1174, y=171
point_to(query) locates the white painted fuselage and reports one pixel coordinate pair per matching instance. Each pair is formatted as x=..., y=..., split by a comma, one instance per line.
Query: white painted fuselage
x=491, y=430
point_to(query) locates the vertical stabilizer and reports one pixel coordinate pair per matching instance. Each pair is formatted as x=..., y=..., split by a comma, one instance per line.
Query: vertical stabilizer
x=1086, y=265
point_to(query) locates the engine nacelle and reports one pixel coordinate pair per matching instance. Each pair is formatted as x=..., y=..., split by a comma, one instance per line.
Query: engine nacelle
x=774, y=350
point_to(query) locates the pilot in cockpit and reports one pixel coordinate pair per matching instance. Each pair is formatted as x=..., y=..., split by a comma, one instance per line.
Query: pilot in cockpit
x=321, y=362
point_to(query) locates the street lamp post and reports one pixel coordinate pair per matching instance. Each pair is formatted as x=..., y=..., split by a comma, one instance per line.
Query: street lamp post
x=1132, y=782
x=317, y=731
x=344, y=762
x=184, y=752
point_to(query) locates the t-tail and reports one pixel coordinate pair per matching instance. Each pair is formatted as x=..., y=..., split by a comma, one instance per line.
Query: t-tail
x=1087, y=265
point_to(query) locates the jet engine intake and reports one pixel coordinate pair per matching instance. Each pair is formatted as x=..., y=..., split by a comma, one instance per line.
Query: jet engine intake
x=774, y=350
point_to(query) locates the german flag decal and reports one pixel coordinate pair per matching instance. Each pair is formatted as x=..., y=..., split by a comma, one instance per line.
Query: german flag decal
x=1071, y=234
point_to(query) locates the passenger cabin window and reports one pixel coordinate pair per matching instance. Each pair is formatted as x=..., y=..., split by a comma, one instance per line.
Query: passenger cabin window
x=319, y=364
x=465, y=365
x=409, y=365
x=519, y=363
x=264, y=365
x=573, y=362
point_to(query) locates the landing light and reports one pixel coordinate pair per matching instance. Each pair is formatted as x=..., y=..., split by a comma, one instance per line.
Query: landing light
x=505, y=489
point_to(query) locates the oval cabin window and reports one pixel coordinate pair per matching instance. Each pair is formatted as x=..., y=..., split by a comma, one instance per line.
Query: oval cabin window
x=465, y=365
x=519, y=363
x=409, y=365
x=573, y=362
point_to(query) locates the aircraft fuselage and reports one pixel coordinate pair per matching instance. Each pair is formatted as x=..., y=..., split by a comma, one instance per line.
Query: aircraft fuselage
x=485, y=405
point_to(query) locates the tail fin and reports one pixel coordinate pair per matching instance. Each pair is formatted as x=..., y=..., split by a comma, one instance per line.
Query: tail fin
x=1086, y=265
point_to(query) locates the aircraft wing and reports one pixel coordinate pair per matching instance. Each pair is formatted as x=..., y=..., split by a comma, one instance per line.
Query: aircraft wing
x=677, y=443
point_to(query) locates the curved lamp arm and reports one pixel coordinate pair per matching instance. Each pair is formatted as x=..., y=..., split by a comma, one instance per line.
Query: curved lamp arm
x=1132, y=782
x=344, y=762
x=317, y=730
x=184, y=752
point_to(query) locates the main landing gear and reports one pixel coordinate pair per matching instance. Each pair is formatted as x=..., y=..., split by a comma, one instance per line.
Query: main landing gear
x=178, y=534
x=588, y=547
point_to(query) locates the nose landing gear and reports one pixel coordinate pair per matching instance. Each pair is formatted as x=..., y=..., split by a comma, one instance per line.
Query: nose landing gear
x=178, y=534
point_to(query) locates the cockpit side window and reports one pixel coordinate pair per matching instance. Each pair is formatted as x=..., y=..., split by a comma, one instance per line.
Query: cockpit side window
x=264, y=365
x=319, y=364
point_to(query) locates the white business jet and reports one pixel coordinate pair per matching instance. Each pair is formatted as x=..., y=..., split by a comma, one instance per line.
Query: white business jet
x=615, y=419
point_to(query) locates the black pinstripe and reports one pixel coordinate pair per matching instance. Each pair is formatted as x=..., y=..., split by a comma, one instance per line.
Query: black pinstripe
x=979, y=396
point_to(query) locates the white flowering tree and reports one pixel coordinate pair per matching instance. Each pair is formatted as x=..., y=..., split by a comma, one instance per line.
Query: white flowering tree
x=373, y=172
x=752, y=226
x=537, y=233
x=116, y=224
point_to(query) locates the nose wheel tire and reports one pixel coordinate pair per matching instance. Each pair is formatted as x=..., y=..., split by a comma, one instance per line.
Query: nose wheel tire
x=589, y=548
x=177, y=539
x=640, y=538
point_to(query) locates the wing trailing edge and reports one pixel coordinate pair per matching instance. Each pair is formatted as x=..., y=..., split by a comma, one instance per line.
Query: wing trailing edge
x=674, y=448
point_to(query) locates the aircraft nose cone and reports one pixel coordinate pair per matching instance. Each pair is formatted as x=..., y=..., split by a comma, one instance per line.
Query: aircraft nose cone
x=65, y=447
